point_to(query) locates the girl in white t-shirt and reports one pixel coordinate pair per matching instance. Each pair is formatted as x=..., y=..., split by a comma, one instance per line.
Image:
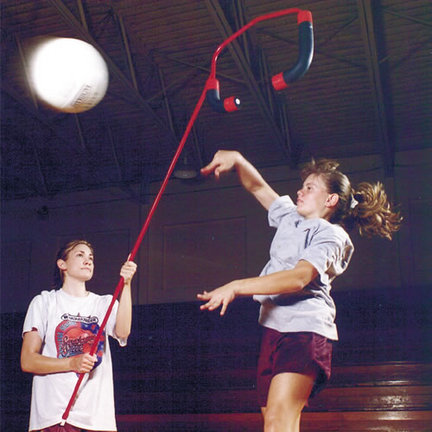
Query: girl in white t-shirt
x=58, y=333
x=310, y=248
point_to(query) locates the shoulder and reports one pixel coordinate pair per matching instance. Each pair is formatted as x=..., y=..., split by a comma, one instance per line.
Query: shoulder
x=283, y=201
x=281, y=207
x=49, y=294
x=39, y=310
x=324, y=231
x=44, y=297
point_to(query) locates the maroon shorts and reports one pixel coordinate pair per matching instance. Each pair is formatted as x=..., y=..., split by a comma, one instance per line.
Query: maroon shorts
x=292, y=352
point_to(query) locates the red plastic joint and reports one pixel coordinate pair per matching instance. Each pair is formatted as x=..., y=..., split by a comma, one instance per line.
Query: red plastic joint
x=230, y=104
x=212, y=84
x=304, y=15
x=278, y=82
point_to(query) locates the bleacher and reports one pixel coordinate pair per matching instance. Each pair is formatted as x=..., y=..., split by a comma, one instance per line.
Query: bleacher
x=189, y=370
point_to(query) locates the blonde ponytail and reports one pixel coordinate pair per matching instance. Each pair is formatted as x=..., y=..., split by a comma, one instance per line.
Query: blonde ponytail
x=373, y=215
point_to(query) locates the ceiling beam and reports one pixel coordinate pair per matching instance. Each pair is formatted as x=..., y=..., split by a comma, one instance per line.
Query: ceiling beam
x=114, y=151
x=420, y=46
x=367, y=21
x=173, y=84
x=126, y=47
x=317, y=49
x=196, y=66
x=27, y=72
x=81, y=134
x=42, y=176
x=82, y=14
x=34, y=112
x=407, y=17
x=129, y=91
x=226, y=31
x=166, y=100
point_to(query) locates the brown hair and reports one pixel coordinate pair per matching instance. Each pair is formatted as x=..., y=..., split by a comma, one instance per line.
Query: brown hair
x=63, y=253
x=366, y=207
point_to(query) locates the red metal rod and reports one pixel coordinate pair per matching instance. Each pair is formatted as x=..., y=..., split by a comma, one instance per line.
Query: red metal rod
x=137, y=245
x=245, y=28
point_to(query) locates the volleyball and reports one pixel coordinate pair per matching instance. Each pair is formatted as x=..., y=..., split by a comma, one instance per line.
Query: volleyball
x=68, y=74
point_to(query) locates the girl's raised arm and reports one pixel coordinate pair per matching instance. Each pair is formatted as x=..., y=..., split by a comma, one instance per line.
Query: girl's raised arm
x=124, y=312
x=225, y=161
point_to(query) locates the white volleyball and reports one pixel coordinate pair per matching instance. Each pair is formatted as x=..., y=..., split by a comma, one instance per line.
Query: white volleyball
x=68, y=74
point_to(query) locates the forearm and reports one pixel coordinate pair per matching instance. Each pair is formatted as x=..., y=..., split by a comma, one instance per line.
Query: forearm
x=253, y=181
x=39, y=364
x=227, y=160
x=282, y=282
x=249, y=176
x=124, y=312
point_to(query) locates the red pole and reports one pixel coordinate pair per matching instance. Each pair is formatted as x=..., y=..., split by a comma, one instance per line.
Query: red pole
x=137, y=245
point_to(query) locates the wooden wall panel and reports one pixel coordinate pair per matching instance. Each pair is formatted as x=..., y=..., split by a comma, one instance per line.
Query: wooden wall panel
x=15, y=275
x=203, y=255
x=421, y=240
x=190, y=211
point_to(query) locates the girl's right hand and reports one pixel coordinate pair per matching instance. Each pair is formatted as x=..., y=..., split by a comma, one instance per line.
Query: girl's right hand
x=223, y=161
x=127, y=271
x=83, y=363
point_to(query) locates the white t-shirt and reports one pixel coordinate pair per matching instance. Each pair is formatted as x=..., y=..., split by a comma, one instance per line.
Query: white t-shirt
x=327, y=247
x=68, y=326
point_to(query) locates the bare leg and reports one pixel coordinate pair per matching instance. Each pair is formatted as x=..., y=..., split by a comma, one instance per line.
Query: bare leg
x=286, y=399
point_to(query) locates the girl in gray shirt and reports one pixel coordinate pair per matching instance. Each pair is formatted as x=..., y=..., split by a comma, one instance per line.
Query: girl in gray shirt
x=310, y=248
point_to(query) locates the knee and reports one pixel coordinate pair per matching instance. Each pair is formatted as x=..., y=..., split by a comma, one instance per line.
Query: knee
x=276, y=420
x=270, y=421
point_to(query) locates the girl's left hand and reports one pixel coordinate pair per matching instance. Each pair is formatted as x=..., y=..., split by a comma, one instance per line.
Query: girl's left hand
x=127, y=271
x=220, y=296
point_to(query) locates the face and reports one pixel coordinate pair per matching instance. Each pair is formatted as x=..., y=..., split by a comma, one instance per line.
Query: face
x=79, y=264
x=313, y=199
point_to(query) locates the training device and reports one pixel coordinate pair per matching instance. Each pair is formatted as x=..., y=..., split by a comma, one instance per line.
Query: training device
x=211, y=93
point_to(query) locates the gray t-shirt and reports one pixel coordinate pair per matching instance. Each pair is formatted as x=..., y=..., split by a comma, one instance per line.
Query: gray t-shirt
x=327, y=247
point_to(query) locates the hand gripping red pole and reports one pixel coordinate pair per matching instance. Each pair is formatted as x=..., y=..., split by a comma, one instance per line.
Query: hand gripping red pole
x=302, y=65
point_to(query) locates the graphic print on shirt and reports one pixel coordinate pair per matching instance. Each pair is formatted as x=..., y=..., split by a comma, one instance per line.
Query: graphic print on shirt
x=75, y=335
x=307, y=241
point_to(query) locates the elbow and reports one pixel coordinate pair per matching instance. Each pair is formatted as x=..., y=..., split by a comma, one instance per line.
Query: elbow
x=26, y=365
x=303, y=275
x=298, y=285
x=303, y=283
x=123, y=333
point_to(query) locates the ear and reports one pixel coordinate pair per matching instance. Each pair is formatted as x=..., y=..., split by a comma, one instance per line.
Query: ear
x=332, y=200
x=61, y=264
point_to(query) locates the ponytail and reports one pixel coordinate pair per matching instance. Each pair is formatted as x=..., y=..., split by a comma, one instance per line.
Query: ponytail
x=365, y=208
x=371, y=212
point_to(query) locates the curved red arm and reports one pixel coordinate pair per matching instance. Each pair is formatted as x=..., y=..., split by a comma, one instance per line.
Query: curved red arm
x=279, y=81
